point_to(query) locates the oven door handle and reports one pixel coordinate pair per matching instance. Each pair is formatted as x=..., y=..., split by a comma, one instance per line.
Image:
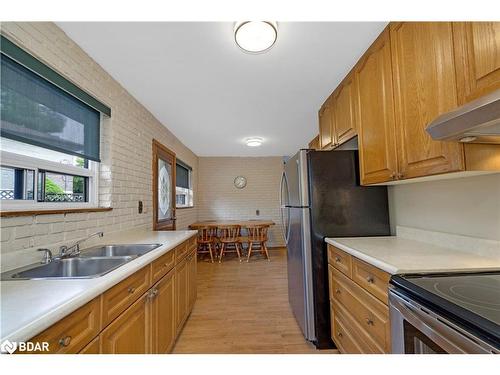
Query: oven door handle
x=449, y=336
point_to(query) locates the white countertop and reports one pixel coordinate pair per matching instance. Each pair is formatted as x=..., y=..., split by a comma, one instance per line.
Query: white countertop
x=30, y=306
x=397, y=255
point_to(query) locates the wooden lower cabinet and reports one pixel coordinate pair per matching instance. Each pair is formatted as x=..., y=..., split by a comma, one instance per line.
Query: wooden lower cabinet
x=72, y=333
x=94, y=347
x=359, y=312
x=142, y=314
x=181, y=299
x=192, y=282
x=163, y=314
x=130, y=332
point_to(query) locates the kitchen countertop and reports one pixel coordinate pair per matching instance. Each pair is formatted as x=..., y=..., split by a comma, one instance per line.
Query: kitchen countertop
x=30, y=306
x=398, y=255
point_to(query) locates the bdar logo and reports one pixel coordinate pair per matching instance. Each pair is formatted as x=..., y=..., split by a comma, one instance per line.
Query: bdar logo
x=8, y=347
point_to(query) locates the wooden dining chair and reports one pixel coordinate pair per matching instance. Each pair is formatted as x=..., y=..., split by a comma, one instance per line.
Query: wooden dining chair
x=257, y=237
x=229, y=237
x=206, y=241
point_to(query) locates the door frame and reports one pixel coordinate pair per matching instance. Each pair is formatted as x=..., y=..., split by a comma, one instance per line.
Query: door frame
x=160, y=150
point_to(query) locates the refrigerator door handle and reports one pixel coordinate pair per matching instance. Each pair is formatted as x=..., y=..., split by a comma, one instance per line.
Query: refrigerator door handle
x=284, y=230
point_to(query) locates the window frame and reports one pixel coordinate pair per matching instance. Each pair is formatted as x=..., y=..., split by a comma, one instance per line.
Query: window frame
x=190, y=182
x=10, y=159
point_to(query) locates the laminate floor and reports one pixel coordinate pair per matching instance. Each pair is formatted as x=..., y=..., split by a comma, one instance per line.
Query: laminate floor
x=243, y=308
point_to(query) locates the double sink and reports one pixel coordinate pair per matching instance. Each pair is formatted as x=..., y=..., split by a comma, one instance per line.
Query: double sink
x=93, y=262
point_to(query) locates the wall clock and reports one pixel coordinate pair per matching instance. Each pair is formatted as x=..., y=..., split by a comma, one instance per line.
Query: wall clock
x=240, y=182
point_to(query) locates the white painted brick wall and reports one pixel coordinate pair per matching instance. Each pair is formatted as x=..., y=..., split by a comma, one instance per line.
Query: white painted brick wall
x=218, y=198
x=125, y=175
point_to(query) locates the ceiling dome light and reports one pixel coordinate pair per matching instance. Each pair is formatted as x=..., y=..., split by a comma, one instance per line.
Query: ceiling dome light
x=255, y=36
x=254, y=142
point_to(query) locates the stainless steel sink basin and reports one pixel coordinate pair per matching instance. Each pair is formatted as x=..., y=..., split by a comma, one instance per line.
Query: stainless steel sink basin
x=118, y=250
x=70, y=268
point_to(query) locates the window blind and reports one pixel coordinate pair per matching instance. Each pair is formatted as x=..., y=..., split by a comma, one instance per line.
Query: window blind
x=182, y=175
x=35, y=111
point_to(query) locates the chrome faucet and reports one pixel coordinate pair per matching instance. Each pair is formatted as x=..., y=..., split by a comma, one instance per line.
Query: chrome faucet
x=74, y=250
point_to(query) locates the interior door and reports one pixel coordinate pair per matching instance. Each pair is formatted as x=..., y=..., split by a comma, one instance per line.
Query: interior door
x=163, y=187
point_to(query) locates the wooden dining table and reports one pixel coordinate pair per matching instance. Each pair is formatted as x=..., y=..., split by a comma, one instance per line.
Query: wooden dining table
x=219, y=223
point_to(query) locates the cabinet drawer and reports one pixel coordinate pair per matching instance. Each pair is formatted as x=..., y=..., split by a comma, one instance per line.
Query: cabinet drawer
x=344, y=338
x=369, y=312
x=357, y=334
x=181, y=251
x=372, y=279
x=161, y=266
x=340, y=260
x=122, y=295
x=72, y=333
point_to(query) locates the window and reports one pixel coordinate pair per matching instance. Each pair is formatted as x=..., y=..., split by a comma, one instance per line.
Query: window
x=49, y=136
x=184, y=185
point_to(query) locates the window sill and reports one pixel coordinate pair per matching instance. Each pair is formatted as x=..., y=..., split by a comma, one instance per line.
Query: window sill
x=52, y=211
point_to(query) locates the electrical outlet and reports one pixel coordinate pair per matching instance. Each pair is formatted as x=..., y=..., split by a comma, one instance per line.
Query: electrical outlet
x=257, y=212
x=140, y=207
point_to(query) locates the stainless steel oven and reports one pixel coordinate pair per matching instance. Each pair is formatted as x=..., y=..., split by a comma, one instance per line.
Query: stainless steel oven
x=418, y=329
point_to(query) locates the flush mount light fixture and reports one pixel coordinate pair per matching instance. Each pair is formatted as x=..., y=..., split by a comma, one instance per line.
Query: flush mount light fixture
x=255, y=36
x=254, y=142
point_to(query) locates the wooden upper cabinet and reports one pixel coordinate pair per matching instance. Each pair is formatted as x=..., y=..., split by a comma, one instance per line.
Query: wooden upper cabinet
x=477, y=58
x=326, y=135
x=424, y=87
x=314, y=144
x=344, y=122
x=375, y=113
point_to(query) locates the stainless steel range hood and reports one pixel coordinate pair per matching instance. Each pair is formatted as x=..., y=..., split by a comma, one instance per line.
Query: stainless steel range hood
x=475, y=122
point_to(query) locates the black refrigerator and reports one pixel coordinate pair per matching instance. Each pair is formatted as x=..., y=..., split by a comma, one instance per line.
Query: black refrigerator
x=321, y=196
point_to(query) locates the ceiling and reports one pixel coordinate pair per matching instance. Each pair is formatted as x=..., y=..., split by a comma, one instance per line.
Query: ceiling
x=211, y=95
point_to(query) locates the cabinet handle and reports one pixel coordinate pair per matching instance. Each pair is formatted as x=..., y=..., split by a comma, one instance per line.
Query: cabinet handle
x=153, y=293
x=337, y=291
x=369, y=321
x=166, y=265
x=400, y=175
x=392, y=176
x=370, y=280
x=338, y=260
x=131, y=290
x=64, y=341
x=339, y=334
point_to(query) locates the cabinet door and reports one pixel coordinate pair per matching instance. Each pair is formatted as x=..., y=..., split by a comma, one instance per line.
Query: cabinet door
x=92, y=348
x=343, y=111
x=375, y=113
x=163, y=314
x=192, y=281
x=477, y=57
x=424, y=88
x=130, y=332
x=181, y=294
x=326, y=137
x=314, y=144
